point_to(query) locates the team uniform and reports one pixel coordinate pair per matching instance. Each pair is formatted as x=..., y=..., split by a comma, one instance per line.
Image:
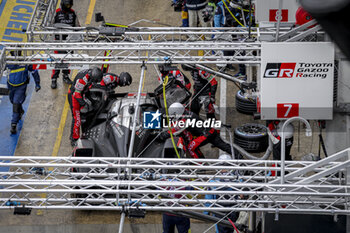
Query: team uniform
x=17, y=82
x=195, y=137
x=81, y=85
x=67, y=16
x=205, y=86
x=178, y=76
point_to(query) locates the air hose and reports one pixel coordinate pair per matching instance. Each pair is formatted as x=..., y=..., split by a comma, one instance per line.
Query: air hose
x=165, y=82
x=223, y=1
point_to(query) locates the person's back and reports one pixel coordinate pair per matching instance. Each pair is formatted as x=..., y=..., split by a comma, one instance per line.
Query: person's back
x=17, y=84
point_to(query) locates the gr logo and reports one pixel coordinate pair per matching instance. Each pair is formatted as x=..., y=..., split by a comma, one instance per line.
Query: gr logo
x=279, y=70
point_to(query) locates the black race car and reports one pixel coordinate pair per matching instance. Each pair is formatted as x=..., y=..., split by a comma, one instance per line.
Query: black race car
x=107, y=123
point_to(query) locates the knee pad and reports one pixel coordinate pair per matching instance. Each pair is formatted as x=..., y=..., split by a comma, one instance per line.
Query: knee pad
x=17, y=108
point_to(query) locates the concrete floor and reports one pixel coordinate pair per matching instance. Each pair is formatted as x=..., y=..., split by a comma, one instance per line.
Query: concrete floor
x=40, y=130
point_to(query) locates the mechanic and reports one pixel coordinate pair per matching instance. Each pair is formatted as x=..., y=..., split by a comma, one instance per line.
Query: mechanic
x=194, y=137
x=195, y=12
x=205, y=86
x=175, y=74
x=238, y=220
x=81, y=85
x=275, y=128
x=17, y=82
x=209, y=12
x=169, y=220
x=64, y=15
x=223, y=18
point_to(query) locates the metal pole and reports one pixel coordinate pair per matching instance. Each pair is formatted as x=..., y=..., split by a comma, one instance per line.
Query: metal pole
x=121, y=223
x=250, y=20
x=308, y=133
x=219, y=74
x=133, y=132
x=279, y=12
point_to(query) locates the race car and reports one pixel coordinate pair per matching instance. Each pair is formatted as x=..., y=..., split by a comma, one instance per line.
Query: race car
x=107, y=123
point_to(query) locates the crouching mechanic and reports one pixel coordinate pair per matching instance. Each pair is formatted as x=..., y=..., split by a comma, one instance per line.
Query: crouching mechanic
x=194, y=137
x=83, y=81
x=17, y=82
x=205, y=86
x=175, y=74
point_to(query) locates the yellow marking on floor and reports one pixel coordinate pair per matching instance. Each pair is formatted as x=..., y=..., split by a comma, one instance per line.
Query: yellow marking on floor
x=66, y=104
x=90, y=11
x=64, y=115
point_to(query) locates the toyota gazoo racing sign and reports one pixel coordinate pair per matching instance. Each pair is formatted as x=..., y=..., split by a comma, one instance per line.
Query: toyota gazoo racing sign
x=297, y=70
x=296, y=80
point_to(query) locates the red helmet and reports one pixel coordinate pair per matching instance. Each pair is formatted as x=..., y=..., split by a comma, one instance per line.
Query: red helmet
x=302, y=16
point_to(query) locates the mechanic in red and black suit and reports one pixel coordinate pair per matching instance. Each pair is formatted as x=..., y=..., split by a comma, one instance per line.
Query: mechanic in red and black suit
x=81, y=85
x=205, y=86
x=275, y=132
x=175, y=74
x=64, y=15
x=194, y=137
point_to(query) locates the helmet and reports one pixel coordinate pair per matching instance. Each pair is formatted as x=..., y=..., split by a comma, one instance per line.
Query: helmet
x=66, y=4
x=162, y=69
x=225, y=157
x=302, y=16
x=288, y=131
x=176, y=109
x=125, y=79
x=96, y=74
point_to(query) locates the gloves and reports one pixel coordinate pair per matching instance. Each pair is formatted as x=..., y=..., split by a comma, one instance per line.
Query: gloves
x=81, y=101
x=37, y=88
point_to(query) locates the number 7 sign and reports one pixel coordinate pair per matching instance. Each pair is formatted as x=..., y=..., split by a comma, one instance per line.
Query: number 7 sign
x=287, y=110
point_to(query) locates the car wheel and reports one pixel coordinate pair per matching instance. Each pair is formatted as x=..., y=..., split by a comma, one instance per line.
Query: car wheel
x=252, y=137
x=245, y=105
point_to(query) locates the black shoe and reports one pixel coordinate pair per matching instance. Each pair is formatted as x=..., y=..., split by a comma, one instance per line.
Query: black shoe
x=73, y=142
x=13, y=128
x=21, y=114
x=67, y=80
x=53, y=83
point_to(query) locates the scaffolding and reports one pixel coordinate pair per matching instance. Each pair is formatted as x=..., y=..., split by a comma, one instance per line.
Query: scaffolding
x=175, y=184
x=162, y=184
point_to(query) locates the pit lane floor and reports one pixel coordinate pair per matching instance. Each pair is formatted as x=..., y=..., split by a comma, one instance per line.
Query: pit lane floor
x=46, y=127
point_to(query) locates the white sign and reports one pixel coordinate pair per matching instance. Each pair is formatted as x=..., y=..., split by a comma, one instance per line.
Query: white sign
x=267, y=10
x=296, y=80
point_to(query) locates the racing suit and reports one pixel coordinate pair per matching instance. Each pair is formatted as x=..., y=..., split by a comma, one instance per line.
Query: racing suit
x=205, y=86
x=17, y=82
x=196, y=137
x=81, y=85
x=178, y=76
x=274, y=127
x=67, y=17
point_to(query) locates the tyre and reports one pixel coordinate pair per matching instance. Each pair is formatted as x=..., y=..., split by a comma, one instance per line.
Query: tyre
x=252, y=137
x=245, y=105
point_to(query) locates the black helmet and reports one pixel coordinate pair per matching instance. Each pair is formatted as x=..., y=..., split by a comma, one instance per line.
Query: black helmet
x=96, y=75
x=162, y=70
x=66, y=4
x=125, y=79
